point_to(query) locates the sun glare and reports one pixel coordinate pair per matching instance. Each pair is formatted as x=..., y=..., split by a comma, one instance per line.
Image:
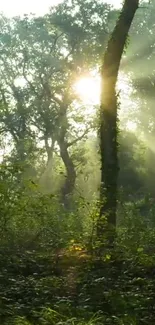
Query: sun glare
x=88, y=90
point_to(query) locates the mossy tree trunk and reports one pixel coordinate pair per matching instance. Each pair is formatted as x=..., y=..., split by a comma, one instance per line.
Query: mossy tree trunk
x=108, y=120
x=69, y=183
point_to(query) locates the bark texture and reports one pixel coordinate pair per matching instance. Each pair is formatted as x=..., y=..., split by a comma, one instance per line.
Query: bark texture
x=108, y=118
x=70, y=178
x=69, y=184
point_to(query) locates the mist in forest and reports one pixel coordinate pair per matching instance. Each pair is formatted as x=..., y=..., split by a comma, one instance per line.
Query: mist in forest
x=50, y=165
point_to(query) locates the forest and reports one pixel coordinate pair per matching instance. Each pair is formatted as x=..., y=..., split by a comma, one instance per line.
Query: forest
x=77, y=165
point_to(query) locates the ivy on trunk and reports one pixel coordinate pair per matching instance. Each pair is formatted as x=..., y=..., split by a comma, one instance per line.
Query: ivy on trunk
x=108, y=121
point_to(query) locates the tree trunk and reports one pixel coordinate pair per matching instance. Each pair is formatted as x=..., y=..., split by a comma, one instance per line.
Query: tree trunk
x=70, y=179
x=49, y=150
x=69, y=184
x=108, y=120
x=46, y=177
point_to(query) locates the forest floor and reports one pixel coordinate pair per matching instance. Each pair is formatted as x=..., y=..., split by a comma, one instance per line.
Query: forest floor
x=75, y=284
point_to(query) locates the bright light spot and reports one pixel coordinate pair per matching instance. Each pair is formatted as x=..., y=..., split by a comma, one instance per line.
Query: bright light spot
x=88, y=89
x=115, y=3
x=20, y=82
x=131, y=126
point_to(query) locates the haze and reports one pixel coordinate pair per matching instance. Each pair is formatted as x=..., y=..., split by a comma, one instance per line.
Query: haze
x=17, y=7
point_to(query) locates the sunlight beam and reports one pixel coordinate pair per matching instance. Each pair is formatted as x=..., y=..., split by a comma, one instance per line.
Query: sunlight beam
x=88, y=89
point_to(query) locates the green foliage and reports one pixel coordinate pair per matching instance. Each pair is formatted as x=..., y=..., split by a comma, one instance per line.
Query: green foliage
x=46, y=283
x=49, y=271
x=41, y=59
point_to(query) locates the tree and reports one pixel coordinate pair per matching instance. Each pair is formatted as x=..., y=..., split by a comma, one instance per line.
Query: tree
x=140, y=62
x=45, y=56
x=108, y=118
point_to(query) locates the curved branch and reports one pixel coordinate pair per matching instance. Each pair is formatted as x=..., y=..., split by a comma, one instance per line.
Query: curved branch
x=78, y=139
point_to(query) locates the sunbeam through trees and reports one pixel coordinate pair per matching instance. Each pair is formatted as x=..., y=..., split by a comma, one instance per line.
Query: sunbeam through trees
x=77, y=131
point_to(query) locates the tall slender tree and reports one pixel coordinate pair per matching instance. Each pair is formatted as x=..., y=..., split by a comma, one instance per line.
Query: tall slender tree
x=108, y=119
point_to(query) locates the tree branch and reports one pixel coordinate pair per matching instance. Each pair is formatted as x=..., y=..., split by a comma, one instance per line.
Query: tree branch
x=77, y=139
x=24, y=74
x=55, y=41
